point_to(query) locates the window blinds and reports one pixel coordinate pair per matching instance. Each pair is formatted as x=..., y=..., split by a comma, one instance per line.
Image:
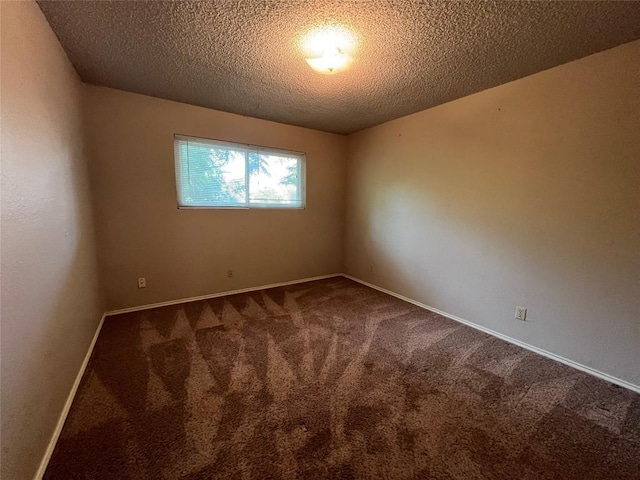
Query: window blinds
x=216, y=174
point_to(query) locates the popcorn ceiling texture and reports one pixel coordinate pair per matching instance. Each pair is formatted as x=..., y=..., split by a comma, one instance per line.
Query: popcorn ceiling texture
x=244, y=56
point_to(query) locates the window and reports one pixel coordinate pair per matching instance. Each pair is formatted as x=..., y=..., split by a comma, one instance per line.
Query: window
x=215, y=174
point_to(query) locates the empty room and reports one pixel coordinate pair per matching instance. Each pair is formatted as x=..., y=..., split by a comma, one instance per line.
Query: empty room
x=287, y=239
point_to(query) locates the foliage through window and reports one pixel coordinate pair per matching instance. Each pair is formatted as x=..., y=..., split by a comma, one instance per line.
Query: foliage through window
x=216, y=174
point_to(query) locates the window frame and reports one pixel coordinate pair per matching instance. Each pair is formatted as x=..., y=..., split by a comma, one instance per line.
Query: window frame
x=302, y=175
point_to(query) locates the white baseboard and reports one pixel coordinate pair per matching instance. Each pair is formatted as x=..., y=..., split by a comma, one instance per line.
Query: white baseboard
x=544, y=353
x=221, y=294
x=67, y=406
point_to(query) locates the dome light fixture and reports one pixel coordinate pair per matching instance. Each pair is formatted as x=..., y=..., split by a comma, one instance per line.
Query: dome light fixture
x=332, y=60
x=327, y=49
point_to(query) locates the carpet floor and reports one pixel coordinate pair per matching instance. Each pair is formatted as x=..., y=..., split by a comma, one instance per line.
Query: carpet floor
x=331, y=379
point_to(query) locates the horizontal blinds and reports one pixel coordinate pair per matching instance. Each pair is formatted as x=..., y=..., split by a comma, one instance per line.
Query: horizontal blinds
x=212, y=173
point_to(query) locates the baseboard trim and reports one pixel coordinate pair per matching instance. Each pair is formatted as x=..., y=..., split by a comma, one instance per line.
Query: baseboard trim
x=76, y=384
x=544, y=353
x=221, y=294
x=67, y=406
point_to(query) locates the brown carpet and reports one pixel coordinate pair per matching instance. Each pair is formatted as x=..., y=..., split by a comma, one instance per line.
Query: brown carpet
x=331, y=379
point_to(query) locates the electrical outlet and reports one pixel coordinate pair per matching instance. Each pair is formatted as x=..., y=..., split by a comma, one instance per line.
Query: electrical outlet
x=142, y=282
x=229, y=273
x=521, y=313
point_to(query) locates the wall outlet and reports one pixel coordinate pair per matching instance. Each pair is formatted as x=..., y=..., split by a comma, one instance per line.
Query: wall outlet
x=229, y=273
x=142, y=282
x=521, y=313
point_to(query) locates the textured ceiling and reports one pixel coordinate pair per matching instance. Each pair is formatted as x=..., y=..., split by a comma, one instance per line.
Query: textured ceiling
x=244, y=56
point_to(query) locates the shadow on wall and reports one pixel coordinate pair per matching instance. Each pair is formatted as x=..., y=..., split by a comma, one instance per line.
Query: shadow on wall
x=51, y=304
x=33, y=402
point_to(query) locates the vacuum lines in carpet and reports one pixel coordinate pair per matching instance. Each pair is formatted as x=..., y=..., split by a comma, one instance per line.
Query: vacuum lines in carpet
x=334, y=380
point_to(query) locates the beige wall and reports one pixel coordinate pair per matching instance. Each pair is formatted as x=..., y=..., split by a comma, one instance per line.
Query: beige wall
x=526, y=194
x=185, y=253
x=50, y=301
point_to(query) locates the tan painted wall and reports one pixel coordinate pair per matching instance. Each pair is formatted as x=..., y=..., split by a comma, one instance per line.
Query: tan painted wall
x=185, y=253
x=526, y=194
x=50, y=301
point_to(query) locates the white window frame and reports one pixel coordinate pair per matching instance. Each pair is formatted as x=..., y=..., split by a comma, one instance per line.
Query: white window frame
x=302, y=174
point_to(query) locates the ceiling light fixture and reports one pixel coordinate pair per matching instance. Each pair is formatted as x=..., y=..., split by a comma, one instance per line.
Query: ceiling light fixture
x=327, y=49
x=332, y=60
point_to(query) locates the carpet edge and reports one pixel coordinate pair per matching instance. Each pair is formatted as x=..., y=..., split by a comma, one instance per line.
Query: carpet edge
x=220, y=294
x=44, y=463
x=506, y=338
x=76, y=384
x=67, y=406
